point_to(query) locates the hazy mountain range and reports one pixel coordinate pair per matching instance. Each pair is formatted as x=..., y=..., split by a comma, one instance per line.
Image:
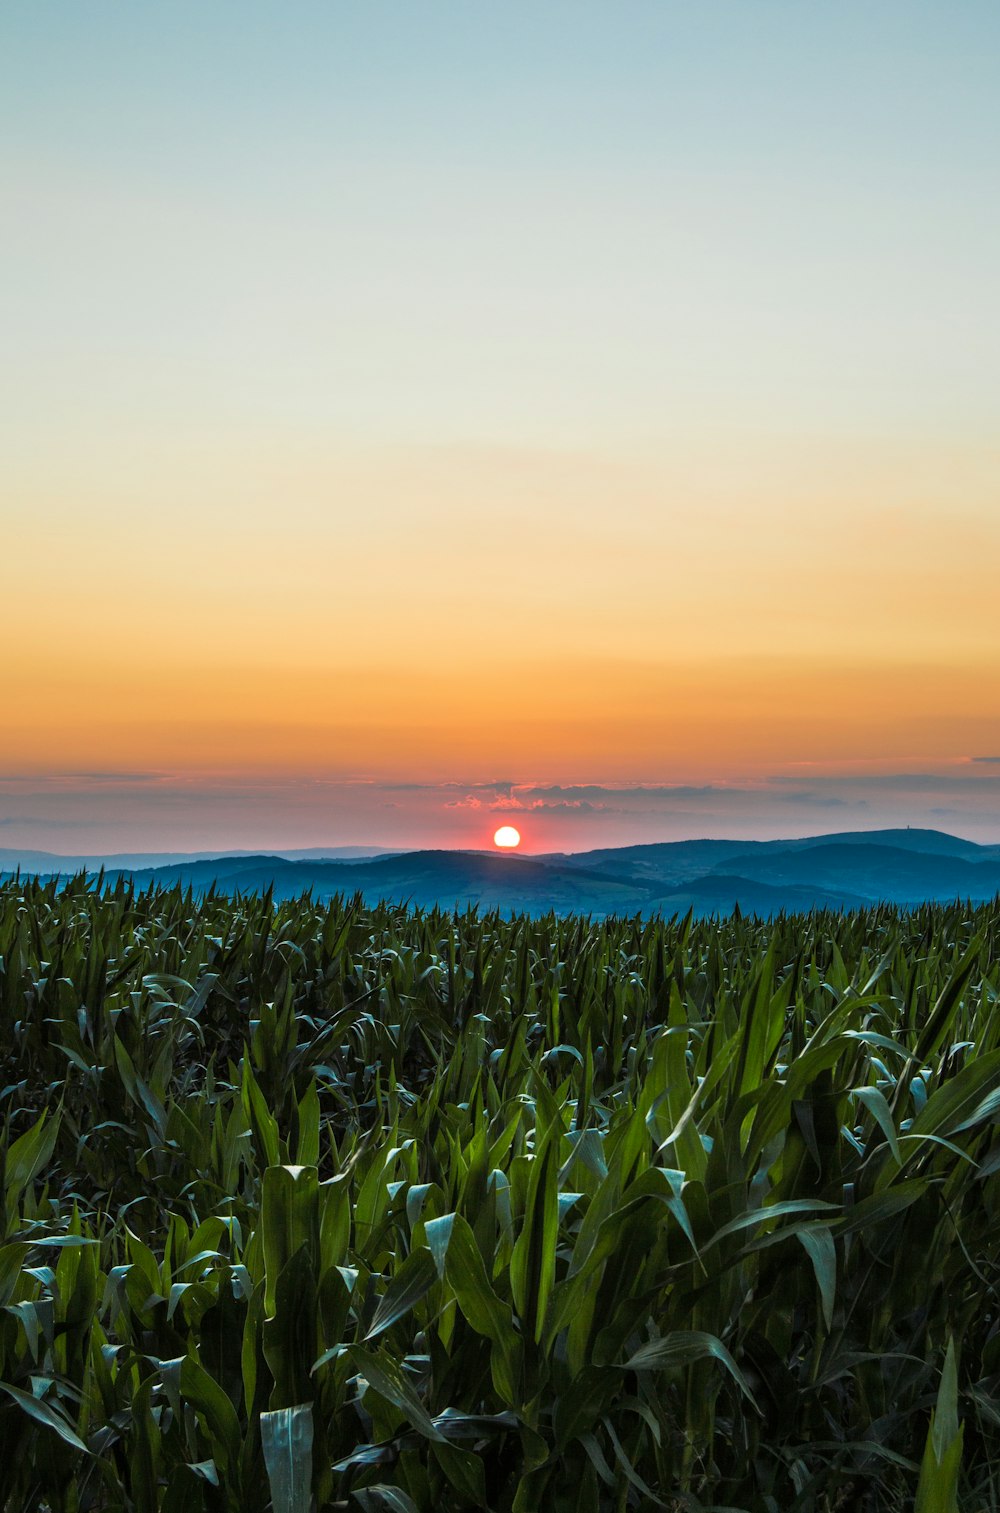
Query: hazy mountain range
x=840, y=871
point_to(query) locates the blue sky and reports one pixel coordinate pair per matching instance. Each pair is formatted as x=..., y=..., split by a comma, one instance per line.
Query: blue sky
x=631, y=212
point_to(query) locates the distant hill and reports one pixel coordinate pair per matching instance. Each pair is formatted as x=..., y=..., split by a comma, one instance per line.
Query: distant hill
x=840, y=871
x=50, y=861
x=424, y=878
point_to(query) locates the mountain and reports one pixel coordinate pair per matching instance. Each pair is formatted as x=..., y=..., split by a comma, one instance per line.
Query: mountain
x=49, y=861
x=841, y=871
x=423, y=878
x=874, y=871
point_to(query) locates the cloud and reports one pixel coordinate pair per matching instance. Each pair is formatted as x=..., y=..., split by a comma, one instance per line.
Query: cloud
x=995, y=759
x=919, y=782
x=573, y=806
x=48, y=823
x=824, y=791
x=112, y=777
x=821, y=800
x=505, y=803
x=74, y=781
x=499, y=786
x=669, y=791
x=526, y=795
x=655, y=798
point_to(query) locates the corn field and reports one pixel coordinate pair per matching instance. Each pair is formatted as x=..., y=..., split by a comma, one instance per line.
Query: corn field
x=338, y=1207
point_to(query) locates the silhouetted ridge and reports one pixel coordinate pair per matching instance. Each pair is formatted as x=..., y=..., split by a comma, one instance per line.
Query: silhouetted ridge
x=840, y=871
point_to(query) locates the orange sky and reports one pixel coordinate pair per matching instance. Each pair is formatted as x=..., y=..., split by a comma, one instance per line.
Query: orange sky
x=439, y=616
x=561, y=615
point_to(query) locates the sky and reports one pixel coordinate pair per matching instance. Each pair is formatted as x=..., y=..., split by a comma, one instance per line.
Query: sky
x=417, y=418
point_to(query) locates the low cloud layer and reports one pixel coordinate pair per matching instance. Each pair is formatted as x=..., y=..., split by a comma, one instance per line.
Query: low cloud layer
x=157, y=811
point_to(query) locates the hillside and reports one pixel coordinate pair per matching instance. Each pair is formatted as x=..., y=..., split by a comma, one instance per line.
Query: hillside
x=839, y=871
x=843, y=870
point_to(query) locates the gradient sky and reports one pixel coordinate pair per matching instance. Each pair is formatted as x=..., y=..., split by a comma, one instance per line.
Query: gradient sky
x=414, y=417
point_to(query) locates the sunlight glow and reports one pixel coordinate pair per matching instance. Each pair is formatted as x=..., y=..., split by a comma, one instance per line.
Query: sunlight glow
x=507, y=837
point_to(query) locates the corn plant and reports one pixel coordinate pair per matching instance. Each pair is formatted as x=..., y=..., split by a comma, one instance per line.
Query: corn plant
x=328, y=1207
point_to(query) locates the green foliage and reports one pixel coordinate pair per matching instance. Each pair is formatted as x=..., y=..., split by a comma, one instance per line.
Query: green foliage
x=938, y=1486
x=309, y=1208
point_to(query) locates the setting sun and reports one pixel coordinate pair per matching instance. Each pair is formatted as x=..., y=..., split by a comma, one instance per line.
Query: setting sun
x=507, y=837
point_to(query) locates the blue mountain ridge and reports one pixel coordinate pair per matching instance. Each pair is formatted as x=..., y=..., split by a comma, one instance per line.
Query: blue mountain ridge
x=840, y=871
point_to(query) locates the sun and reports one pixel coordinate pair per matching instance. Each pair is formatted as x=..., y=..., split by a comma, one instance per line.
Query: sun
x=507, y=837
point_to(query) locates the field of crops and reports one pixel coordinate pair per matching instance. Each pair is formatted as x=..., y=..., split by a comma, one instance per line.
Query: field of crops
x=312, y=1208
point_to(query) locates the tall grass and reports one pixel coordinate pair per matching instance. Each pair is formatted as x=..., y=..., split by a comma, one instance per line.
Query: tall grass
x=339, y=1207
